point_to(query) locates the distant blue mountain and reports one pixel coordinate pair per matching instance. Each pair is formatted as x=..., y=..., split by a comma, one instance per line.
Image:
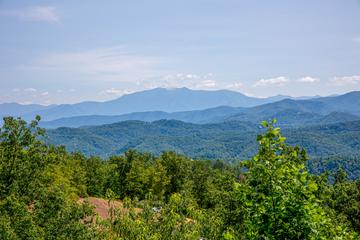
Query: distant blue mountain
x=289, y=112
x=187, y=105
x=158, y=99
x=302, y=112
x=217, y=114
x=16, y=109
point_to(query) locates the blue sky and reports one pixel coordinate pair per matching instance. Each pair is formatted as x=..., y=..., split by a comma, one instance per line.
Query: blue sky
x=70, y=51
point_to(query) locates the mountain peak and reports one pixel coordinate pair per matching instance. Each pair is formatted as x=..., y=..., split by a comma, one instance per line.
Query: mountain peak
x=166, y=100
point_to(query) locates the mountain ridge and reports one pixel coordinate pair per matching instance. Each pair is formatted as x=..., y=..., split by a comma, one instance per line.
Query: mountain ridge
x=157, y=99
x=287, y=111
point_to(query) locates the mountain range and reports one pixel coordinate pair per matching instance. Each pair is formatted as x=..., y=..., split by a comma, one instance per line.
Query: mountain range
x=289, y=112
x=158, y=99
x=201, y=124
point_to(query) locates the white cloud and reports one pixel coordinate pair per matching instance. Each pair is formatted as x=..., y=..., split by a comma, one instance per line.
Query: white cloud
x=191, y=76
x=30, y=90
x=279, y=81
x=106, y=64
x=235, y=86
x=115, y=92
x=44, y=93
x=207, y=84
x=26, y=102
x=356, y=39
x=308, y=79
x=346, y=80
x=37, y=13
x=189, y=80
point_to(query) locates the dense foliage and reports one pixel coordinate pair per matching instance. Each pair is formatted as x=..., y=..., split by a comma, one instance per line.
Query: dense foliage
x=170, y=196
x=349, y=163
x=230, y=141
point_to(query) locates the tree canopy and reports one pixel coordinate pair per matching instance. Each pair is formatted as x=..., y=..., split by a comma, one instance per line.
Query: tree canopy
x=44, y=193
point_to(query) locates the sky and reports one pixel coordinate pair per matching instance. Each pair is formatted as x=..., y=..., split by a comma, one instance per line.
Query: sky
x=66, y=51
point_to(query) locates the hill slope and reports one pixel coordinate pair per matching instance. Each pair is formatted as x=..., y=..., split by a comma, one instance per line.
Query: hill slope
x=16, y=109
x=227, y=140
x=303, y=112
x=217, y=114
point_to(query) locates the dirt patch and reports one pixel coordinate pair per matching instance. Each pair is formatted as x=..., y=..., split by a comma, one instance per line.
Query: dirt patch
x=103, y=206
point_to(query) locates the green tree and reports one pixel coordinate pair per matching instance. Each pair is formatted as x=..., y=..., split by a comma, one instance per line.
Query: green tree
x=345, y=199
x=96, y=171
x=279, y=193
x=23, y=157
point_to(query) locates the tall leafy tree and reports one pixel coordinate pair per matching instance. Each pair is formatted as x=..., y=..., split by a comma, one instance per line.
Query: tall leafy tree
x=279, y=194
x=22, y=157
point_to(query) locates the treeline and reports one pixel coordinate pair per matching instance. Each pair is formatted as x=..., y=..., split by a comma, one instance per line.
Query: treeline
x=271, y=196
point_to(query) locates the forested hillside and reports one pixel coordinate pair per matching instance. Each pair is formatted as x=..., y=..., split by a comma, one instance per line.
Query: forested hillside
x=228, y=140
x=44, y=193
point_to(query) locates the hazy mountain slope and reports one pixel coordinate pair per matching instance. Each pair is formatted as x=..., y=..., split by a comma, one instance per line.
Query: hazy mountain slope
x=304, y=112
x=161, y=103
x=288, y=112
x=159, y=99
x=16, y=109
x=198, y=116
x=226, y=140
x=94, y=120
x=349, y=103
